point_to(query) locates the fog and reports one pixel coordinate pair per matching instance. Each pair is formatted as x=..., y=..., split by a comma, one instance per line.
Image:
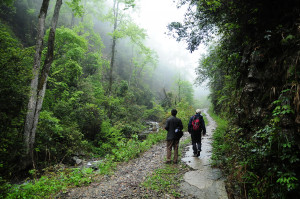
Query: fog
x=174, y=58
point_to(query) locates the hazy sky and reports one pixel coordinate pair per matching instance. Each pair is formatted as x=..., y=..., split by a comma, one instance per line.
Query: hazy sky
x=154, y=16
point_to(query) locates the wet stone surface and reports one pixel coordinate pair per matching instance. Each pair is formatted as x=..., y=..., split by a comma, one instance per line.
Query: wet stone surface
x=204, y=181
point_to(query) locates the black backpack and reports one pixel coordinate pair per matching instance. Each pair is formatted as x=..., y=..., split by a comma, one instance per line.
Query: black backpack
x=178, y=133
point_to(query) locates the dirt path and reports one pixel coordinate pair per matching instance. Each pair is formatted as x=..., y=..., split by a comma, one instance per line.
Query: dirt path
x=201, y=182
x=204, y=182
x=127, y=179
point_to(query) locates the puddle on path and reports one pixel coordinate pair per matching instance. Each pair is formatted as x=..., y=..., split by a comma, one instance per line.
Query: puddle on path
x=204, y=182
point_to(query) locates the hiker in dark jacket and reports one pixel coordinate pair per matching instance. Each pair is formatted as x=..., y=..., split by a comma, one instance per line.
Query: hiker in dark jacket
x=172, y=123
x=196, y=134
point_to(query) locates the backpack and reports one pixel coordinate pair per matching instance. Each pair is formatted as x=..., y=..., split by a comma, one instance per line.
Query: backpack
x=178, y=133
x=196, y=123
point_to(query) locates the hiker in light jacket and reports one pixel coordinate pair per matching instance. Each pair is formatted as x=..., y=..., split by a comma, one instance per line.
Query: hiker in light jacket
x=196, y=134
x=172, y=123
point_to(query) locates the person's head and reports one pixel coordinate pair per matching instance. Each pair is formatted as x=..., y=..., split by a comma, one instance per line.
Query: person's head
x=173, y=112
x=198, y=111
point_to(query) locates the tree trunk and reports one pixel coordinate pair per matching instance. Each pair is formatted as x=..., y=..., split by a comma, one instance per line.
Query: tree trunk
x=116, y=13
x=31, y=109
x=72, y=20
x=131, y=70
x=39, y=87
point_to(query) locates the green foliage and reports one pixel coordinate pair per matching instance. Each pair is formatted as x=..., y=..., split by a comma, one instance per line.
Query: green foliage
x=154, y=114
x=127, y=150
x=259, y=151
x=277, y=177
x=163, y=180
x=185, y=111
x=219, y=67
x=76, y=7
x=202, y=102
x=56, y=180
x=221, y=143
x=57, y=141
x=50, y=185
x=15, y=73
x=7, y=2
x=184, y=90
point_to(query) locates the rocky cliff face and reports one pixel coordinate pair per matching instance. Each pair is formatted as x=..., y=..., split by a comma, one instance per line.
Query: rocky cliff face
x=270, y=73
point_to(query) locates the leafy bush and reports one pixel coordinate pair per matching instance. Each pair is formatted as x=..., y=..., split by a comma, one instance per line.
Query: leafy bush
x=56, y=141
x=265, y=164
x=185, y=112
x=49, y=185
x=154, y=114
x=15, y=73
x=220, y=144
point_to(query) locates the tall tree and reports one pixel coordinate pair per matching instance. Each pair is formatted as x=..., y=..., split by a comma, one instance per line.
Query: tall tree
x=39, y=81
x=118, y=32
x=30, y=127
x=114, y=39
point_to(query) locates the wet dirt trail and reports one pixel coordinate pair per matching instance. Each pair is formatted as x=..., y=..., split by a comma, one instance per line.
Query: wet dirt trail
x=204, y=181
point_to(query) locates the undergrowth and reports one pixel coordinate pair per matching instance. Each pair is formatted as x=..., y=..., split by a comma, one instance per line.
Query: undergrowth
x=263, y=164
x=59, y=180
x=220, y=146
x=165, y=180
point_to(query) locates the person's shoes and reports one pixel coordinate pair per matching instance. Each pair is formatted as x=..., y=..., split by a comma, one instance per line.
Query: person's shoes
x=175, y=162
x=198, y=153
x=168, y=162
x=195, y=155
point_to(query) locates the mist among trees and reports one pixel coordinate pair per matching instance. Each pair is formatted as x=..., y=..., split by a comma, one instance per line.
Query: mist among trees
x=77, y=77
x=82, y=78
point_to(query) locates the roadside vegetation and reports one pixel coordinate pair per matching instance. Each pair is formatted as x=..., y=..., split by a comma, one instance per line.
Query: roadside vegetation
x=59, y=179
x=55, y=179
x=252, y=71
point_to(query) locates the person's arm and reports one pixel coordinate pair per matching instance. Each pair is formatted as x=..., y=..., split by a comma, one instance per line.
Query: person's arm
x=190, y=125
x=167, y=125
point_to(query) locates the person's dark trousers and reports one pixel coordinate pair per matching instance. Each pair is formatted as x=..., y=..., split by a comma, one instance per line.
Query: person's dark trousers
x=196, y=147
x=196, y=142
x=172, y=144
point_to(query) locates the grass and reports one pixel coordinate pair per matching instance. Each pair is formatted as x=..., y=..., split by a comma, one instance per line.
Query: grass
x=48, y=185
x=164, y=180
x=219, y=146
x=168, y=178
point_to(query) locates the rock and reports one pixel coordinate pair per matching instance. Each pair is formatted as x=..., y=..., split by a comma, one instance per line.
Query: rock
x=94, y=165
x=77, y=160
